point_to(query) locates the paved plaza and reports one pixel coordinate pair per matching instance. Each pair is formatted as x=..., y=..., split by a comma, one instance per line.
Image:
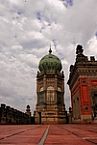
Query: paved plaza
x=48, y=134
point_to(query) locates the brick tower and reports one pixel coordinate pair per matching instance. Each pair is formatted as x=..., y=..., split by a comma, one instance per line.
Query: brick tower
x=83, y=86
x=50, y=108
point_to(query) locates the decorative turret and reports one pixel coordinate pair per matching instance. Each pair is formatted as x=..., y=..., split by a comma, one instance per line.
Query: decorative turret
x=80, y=57
x=79, y=49
x=28, y=112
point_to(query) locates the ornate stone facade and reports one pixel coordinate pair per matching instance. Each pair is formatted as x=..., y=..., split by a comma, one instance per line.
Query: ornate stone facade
x=83, y=86
x=50, y=108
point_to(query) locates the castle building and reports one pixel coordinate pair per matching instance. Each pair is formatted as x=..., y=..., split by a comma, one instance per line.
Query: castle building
x=83, y=86
x=50, y=108
x=9, y=115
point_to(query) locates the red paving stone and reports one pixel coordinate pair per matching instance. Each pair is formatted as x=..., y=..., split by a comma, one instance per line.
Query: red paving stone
x=69, y=135
x=56, y=134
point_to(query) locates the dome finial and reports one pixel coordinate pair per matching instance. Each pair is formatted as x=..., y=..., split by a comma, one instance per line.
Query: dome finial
x=50, y=50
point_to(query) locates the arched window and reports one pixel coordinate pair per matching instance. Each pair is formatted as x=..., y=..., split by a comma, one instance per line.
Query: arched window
x=41, y=89
x=41, y=96
x=59, y=96
x=50, y=95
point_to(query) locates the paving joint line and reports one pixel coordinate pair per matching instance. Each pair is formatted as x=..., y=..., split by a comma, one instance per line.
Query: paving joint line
x=81, y=137
x=7, y=136
x=91, y=141
x=13, y=134
x=42, y=140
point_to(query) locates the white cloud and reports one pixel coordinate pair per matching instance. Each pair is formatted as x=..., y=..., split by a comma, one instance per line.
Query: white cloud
x=92, y=46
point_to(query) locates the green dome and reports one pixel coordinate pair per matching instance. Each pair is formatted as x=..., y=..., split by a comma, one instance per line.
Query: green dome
x=50, y=63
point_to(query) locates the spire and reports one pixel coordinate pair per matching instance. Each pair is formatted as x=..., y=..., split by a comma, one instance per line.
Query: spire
x=50, y=50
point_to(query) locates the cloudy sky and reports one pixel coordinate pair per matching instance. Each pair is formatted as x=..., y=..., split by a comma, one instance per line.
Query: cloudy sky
x=27, y=28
